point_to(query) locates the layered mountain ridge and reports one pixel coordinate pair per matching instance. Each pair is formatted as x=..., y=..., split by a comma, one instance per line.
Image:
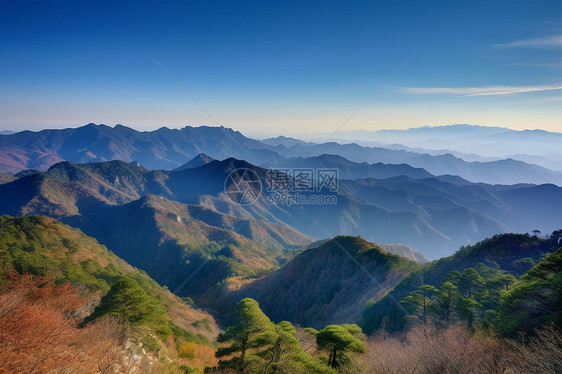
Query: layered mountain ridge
x=432, y=215
x=170, y=148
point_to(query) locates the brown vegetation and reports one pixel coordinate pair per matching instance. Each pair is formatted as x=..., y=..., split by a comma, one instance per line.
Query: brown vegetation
x=453, y=350
x=39, y=332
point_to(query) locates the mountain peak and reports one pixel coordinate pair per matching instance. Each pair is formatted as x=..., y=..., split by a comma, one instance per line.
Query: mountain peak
x=284, y=141
x=356, y=245
x=199, y=160
x=353, y=244
x=232, y=163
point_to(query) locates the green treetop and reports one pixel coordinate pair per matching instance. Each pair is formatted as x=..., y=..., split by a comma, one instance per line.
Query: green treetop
x=128, y=300
x=445, y=301
x=254, y=331
x=535, y=299
x=470, y=282
x=419, y=301
x=339, y=339
x=264, y=347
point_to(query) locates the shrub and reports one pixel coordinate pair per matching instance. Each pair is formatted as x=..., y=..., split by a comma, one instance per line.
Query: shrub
x=187, y=350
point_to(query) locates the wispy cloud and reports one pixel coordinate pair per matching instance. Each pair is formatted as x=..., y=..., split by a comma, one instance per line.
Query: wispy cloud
x=559, y=98
x=553, y=41
x=549, y=65
x=479, y=91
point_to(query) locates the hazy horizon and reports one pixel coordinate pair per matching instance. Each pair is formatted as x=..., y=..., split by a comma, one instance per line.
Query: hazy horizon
x=272, y=133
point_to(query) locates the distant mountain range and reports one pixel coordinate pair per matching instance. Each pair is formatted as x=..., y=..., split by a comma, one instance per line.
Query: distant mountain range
x=176, y=222
x=432, y=215
x=535, y=146
x=349, y=169
x=507, y=171
x=160, y=149
x=170, y=148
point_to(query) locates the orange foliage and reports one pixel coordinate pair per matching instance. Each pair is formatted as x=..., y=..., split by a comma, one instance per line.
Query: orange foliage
x=36, y=324
x=38, y=331
x=207, y=355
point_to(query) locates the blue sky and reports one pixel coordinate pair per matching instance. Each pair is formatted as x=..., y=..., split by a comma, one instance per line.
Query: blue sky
x=265, y=67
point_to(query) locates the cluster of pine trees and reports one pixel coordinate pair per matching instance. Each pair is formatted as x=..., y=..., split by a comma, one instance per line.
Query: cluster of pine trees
x=257, y=345
x=472, y=296
x=489, y=298
x=482, y=318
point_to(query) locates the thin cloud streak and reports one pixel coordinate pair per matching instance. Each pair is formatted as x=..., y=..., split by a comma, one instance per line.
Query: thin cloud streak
x=478, y=91
x=549, y=65
x=553, y=41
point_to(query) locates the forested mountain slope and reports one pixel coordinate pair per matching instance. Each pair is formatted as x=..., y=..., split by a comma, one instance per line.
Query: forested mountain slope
x=329, y=283
x=101, y=284
x=513, y=254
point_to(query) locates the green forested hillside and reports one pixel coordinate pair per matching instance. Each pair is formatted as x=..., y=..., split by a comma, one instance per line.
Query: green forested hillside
x=46, y=248
x=478, y=320
x=329, y=283
x=470, y=283
x=535, y=300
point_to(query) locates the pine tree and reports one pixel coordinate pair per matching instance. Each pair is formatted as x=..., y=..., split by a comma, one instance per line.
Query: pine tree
x=339, y=339
x=419, y=301
x=470, y=282
x=445, y=301
x=255, y=331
